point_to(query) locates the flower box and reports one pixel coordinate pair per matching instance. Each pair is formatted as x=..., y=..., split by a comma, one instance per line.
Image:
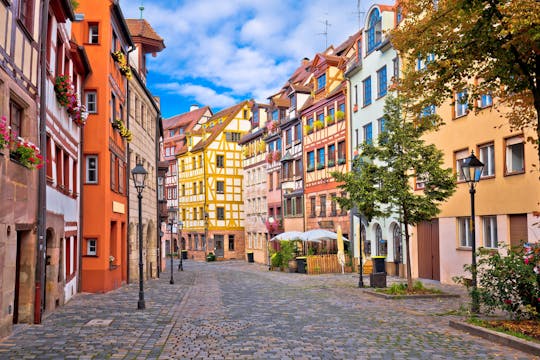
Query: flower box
x=308, y=129
x=320, y=166
x=318, y=125
x=341, y=161
x=331, y=163
x=340, y=115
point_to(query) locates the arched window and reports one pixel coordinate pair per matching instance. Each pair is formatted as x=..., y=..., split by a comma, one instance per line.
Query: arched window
x=374, y=31
x=367, y=243
x=380, y=242
x=398, y=249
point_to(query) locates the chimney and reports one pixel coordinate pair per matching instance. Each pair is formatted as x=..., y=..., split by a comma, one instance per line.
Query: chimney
x=193, y=107
x=305, y=61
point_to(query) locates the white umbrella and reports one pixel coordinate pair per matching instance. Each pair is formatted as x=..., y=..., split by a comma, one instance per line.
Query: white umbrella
x=320, y=234
x=288, y=236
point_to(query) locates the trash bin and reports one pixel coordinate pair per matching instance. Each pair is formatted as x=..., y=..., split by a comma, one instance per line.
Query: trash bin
x=301, y=264
x=250, y=256
x=379, y=265
x=184, y=254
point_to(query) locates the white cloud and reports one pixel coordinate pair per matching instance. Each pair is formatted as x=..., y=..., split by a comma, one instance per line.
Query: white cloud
x=248, y=48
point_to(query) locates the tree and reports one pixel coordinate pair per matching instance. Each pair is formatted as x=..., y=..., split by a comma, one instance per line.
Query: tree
x=483, y=46
x=400, y=156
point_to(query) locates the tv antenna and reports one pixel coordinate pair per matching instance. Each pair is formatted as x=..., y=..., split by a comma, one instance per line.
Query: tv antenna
x=359, y=13
x=325, y=33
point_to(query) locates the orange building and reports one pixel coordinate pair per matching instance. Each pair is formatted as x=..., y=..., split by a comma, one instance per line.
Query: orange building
x=107, y=40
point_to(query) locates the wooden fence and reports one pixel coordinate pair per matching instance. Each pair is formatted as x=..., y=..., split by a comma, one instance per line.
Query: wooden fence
x=328, y=264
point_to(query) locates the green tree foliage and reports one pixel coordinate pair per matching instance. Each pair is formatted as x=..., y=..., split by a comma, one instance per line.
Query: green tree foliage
x=384, y=184
x=484, y=46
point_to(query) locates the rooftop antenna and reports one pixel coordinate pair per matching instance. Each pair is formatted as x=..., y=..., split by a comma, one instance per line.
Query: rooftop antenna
x=360, y=13
x=141, y=8
x=325, y=33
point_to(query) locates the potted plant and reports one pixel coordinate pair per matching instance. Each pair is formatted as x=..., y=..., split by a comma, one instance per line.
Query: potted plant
x=318, y=125
x=122, y=129
x=341, y=161
x=5, y=136
x=308, y=129
x=277, y=155
x=320, y=166
x=329, y=120
x=331, y=163
x=27, y=154
x=340, y=115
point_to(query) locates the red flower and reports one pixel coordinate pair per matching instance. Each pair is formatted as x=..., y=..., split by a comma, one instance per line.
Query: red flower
x=508, y=301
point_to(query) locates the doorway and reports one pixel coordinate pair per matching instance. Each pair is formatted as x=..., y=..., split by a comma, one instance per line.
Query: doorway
x=428, y=250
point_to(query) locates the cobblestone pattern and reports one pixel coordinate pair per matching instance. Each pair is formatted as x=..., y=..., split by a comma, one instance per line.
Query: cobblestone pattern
x=236, y=310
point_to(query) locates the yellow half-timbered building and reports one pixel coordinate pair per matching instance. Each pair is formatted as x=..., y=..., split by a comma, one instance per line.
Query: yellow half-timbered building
x=210, y=178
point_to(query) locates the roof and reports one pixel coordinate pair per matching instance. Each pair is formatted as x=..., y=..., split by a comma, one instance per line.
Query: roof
x=143, y=33
x=227, y=115
x=348, y=43
x=184, y=119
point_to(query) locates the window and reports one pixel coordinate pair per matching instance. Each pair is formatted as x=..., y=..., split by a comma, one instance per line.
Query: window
x=91, y=169
x=428, y=111
x=487, y=156
x=220, y=187
x=321, y=82
x=395, y=72
x=382, y=82
x=231, y=242
x=382, y=247
x=331, y=155
x=459, y=156
x=311, y=161
x=91, y=247
x=368, y=133
x=421, y=180
x=220, y=213
x=490, y=231
x=298, y=132
x=171, y=132
x=333, y=205
x=288, y=137
x=91, y=101
x=194, y=188
x=341, y=152
x=515, y=148
x=320, y=158
x=421, y=63
x=367, y=91
x=194, y=213
x=464, y=232
x=297, y=168
x=271, y=181
x=382, y=125
x=15, y=118
x=461, y=106
x=343, y=210
x=93, y=33
x=183, y=190
x=232, y=136
x=113, y=173
x=26, y=14
x=374, y=31
x=486, y=100
x=313, y=206
x=322, y=199
x=113, y=107
x=201, y=187
x=220, y=161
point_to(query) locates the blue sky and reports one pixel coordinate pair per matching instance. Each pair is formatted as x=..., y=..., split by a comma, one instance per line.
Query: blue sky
x=219, y=52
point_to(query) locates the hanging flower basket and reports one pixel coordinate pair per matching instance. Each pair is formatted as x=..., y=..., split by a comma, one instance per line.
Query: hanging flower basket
x=5, y=135
x=277, y=155
x=27, y=154
x=122, y=129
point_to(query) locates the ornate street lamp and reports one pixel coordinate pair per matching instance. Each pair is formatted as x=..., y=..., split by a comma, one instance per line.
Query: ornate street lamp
x=139, y=177
x=172, y=221
x=471, y=169
x=180, y=226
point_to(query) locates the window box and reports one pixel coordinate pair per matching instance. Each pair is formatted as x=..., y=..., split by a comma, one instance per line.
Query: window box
x=320, y=166
x=331, y=163
x=318, y=125
x=308, y=129
x=329, y=120
x=310, y=168
x=341, y=161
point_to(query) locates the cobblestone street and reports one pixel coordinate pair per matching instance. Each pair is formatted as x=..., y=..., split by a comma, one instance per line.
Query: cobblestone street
x=237, y=310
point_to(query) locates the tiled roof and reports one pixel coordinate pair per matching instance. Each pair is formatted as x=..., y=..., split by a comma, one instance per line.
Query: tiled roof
x=226, y=115
x=185, y=119
x=141, y=30
x=347, y=43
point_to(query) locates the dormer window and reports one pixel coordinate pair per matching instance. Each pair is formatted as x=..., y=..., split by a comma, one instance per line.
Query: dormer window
x=321, y=82
x=374, y=31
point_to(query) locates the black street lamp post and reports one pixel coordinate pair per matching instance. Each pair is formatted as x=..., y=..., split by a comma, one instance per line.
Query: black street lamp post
x=360, y=260
x=471, y=169
x=271, y=221
x=139, y=177
x=172, y=221
x=180, y=226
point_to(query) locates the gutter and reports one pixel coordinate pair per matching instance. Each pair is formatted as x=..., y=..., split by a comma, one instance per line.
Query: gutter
x=128, y=165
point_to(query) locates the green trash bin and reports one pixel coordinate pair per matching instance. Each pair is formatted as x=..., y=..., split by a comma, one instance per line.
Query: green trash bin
x=379, y=265
x=250, y=256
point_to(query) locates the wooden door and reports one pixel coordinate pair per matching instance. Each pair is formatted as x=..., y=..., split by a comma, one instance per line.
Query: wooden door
x=428, y=250
x=518, y=229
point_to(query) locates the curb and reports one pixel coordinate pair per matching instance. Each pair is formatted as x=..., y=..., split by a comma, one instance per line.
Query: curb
x=495, y=336
x=419, y=296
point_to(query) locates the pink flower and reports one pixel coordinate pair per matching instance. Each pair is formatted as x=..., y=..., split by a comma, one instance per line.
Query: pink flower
x=508, y=301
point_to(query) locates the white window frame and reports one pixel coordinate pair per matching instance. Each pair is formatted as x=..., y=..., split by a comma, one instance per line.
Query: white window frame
x=511, y=145
x=486, y=100
x=93, y=36
x=461, y=109
x=489, y=226
x=91, y=105
x=91, y=247
x=89, y=170
x=464, y=232
x=459, y=157
x=486, y=154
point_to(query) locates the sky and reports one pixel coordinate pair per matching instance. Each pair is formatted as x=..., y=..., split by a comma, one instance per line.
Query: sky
x=220, y=52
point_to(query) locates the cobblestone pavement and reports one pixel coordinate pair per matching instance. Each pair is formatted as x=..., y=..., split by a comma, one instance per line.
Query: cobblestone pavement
x=236, y=310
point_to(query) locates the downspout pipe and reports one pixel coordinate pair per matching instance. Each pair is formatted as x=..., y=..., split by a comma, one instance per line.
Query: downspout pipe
x=158, y=219
x=128, y=162
x=42, y=173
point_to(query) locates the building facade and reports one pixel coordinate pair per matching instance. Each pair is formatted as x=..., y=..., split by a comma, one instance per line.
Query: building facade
x=210, y=179
x=106, y=38
x=255, y=187
x=20, y=289
x=68, y=65
x=370, y=74
x=144, y=122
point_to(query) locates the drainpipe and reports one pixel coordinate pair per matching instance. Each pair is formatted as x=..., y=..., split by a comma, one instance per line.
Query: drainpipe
x=128, y=172
x=42, y=173
x=158, y=222
x=354, y=210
